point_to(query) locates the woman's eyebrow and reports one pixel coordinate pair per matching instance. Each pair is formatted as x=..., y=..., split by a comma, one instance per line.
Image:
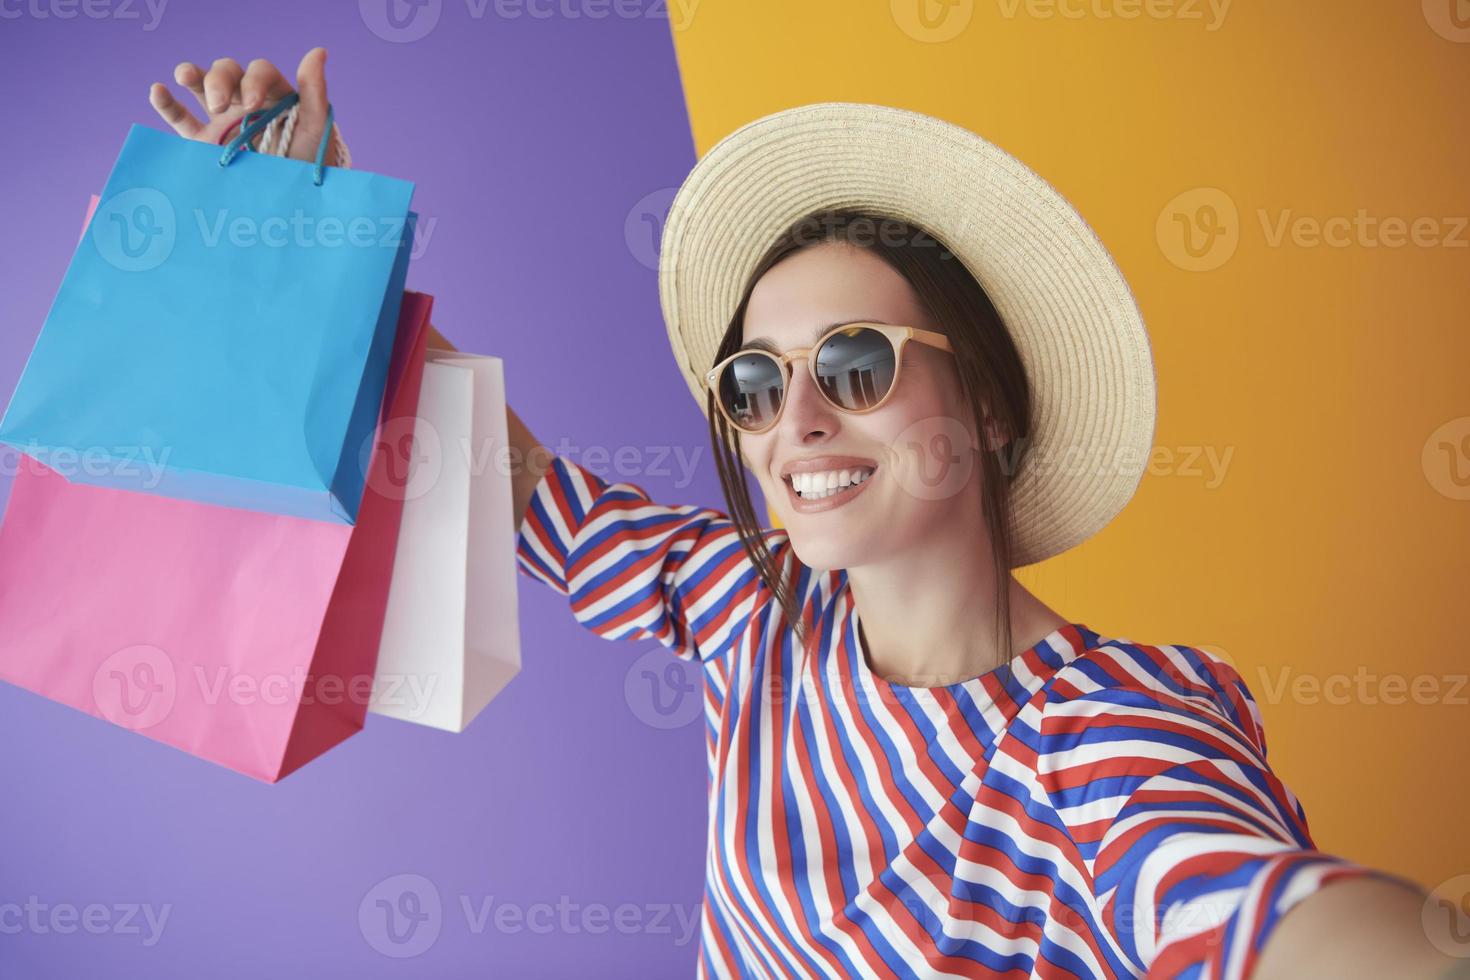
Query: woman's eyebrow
x=766, y=344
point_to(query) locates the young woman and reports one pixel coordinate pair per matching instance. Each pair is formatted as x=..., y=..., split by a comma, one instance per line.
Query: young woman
x=959, y=781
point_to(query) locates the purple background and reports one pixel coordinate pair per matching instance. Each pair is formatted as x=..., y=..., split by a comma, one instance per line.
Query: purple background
x=544, y=150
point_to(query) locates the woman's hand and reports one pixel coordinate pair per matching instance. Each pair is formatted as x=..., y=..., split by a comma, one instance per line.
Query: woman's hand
x=227, y=92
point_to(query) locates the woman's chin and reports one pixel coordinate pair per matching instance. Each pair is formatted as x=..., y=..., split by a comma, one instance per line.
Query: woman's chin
x=825, y=551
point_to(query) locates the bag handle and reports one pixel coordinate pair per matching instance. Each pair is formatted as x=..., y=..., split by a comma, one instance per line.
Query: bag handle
x=256, y=121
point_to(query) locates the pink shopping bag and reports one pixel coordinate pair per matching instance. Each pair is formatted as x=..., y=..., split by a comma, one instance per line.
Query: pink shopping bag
x=243, y=638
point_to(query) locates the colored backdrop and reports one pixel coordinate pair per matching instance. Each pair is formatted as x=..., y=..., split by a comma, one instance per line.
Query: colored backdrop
x=1283, y=185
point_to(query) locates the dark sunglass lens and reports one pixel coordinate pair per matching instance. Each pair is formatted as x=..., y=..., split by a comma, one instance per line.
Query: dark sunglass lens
x=751, y=388
x=855, y=367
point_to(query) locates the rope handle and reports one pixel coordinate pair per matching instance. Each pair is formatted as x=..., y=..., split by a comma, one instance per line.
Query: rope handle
x=277, y=146
x=254, y=122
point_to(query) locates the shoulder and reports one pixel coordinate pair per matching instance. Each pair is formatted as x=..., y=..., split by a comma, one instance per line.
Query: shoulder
x=1118, y=693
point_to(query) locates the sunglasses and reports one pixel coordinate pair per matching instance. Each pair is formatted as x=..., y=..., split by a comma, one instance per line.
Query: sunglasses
x=854, y=366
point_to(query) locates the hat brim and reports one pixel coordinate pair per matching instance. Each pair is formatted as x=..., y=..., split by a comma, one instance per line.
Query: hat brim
x=1060, y=294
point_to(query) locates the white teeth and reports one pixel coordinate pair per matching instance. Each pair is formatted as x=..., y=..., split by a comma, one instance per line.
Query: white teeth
x=815, y=486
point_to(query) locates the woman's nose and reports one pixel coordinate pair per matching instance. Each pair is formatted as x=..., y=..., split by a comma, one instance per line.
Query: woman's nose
x=808, y=417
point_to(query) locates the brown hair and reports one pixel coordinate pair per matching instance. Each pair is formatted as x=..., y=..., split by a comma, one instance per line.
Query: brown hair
x=990, y=370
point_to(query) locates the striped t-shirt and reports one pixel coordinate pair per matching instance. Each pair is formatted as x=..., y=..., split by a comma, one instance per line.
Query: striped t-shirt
x=1100, y=808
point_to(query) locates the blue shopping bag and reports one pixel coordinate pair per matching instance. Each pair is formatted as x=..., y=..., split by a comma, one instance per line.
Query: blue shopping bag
x=223, y=331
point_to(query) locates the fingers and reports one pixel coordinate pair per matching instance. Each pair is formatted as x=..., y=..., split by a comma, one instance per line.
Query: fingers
x=191, y=76
x=173, y=112
x=311, y=82
x=226, y=90
x=311, y=120
x=263, y=83
x=222, y=85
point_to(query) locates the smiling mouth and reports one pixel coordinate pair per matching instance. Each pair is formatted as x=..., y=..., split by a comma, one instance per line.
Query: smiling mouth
x=828, y=483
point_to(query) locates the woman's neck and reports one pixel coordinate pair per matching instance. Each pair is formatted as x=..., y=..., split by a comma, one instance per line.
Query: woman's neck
x=929, y=617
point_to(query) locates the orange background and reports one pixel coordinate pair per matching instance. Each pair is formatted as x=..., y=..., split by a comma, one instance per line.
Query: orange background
x=1323, y=551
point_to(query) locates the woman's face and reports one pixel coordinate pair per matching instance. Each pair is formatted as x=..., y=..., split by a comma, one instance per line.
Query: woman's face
x=916, y=450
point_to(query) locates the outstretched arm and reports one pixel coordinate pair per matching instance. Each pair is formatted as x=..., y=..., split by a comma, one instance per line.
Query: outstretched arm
x=1358, y=927
x=1155, y=760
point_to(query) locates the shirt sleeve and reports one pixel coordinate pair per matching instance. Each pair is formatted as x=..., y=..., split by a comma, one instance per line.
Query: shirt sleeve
x=636, y=570
x=1155, y=761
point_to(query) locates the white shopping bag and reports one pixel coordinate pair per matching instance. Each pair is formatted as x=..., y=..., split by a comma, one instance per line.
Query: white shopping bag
x=451, y=641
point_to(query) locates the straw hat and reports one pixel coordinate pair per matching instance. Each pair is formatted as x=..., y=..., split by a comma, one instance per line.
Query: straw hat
x=1059, y=292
